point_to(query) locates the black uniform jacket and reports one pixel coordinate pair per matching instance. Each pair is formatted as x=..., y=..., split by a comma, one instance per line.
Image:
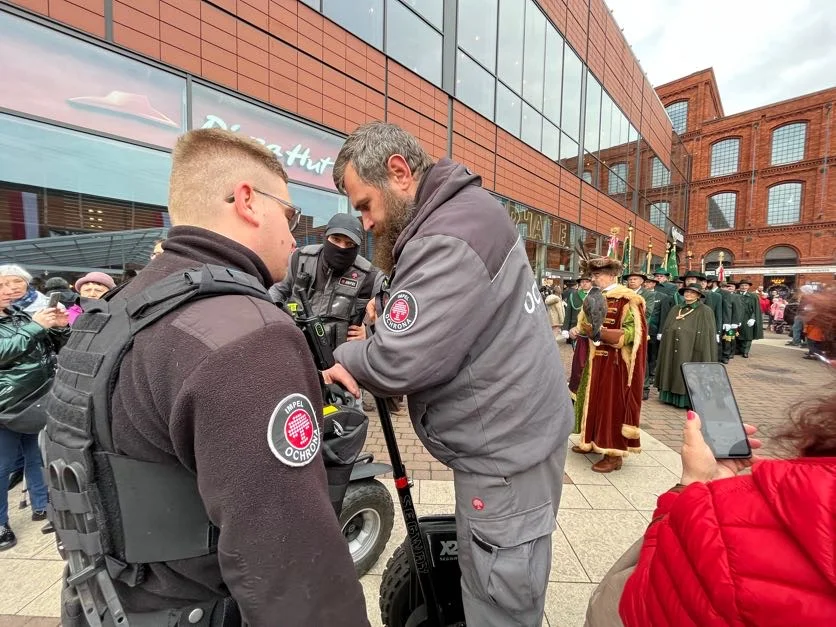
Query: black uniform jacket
x=198, y=388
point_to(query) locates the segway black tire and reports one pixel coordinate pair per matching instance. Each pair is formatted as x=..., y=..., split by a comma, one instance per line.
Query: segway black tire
x=400, y=592
x=370, y=499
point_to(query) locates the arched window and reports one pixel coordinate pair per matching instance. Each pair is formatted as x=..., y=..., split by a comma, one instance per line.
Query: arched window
x=784, y=204
x=725, y=156
x=780, y=256
x=788, y=143
x=712, y=259
x=587, y=176
x=658, y=213
x=721, y=210
x=678, y=113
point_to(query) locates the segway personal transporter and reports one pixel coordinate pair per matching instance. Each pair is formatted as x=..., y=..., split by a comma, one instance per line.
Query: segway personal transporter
x=421, y=585
x=364, y=507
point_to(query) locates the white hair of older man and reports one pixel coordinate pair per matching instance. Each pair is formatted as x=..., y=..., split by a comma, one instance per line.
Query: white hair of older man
x=12, y=269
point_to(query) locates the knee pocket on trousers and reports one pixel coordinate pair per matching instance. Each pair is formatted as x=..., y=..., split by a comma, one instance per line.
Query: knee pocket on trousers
x=512, y=556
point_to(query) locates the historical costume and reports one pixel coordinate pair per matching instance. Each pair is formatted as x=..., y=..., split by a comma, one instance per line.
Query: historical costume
x=574, y=301
x=651, y=304
x=611, y=376
x=752, y=327
x=732, y=318
x=712, y=300
x=688, y=335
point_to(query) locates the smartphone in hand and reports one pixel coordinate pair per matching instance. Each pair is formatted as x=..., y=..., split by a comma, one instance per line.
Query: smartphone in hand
x=54, y=299
x=709, y=389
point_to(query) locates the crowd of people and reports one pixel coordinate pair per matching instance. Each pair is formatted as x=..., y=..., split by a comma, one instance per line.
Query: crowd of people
x=230, y=377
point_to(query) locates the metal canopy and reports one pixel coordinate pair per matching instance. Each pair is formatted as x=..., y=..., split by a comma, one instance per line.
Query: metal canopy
x=83, y=253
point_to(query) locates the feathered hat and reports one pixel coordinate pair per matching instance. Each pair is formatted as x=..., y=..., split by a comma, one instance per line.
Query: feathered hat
x=590, y=262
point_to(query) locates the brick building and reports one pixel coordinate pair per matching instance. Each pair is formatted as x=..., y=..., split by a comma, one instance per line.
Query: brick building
x=761, y=184
x=556, y=115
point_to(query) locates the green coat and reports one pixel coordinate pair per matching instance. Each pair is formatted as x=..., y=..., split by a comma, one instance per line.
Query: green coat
x=651, y=300
x=714, y=301
x=688, y=339
x=27, y=353
x=751, y=306
x=574, y=302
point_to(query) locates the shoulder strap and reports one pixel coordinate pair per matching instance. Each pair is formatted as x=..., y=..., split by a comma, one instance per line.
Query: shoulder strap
x=156, y=301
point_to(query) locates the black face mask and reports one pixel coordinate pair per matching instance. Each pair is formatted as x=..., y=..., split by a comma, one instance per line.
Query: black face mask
x=339, y=259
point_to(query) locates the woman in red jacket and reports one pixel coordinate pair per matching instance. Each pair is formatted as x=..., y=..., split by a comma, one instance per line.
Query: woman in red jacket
x=756, y=549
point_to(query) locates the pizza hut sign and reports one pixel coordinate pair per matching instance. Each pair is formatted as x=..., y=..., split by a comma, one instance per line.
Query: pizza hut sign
x=298, y=156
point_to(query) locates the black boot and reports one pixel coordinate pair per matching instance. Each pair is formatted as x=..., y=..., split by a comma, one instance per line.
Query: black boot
x=645, y=394
x=7, y=537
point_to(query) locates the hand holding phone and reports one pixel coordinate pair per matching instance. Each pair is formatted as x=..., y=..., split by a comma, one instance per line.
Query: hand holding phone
x=711, y=396
x=54, y=299
x=698, y=461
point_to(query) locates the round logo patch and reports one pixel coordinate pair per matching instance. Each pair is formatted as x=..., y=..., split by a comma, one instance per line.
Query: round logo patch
x=401, y=312
x=478, y=504
x=293, y=432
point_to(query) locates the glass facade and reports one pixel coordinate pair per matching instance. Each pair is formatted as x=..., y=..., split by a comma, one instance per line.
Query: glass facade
x=364, y=18
x=85, y=152
x=678, y=114
x=658, y=213
x=721, y=211
x=514, y=67
x=788, y=143
x=725, y=156
x=784, y=204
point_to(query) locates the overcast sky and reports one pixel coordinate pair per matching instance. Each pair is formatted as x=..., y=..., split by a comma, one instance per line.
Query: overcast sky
x=762, y=51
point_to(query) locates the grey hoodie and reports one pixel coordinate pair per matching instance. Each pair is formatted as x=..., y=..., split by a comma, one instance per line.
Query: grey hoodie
x=465, y=334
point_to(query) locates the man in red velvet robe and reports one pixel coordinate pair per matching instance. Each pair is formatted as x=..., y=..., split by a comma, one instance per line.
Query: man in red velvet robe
x=609, y=394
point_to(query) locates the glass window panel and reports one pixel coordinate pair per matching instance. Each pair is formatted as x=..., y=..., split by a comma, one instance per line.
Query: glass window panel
x=632, y=133
x=532, y=124
x=318, y=206
x=54, y=76
x=593, y=114
x=658, y=212
x=508, y=106
x=364, y=18
x=535, y=53
x=724, y=157
x=660, y=176
x=617, y=183
x=474, y=86
x=623, y=125
x=510, y=65
x=721, y=210
x=570, y=119
x=780, y=256
x=678, y=114
x=314, y=4
x=551, y=140
x=784, y=204
x=587, y=176
x=412, y=43
x=554, y=74
x=48, y=156
x=432, y=10
x=606, y=121
x=477, y=30
x=788, y=143
x=569, y=153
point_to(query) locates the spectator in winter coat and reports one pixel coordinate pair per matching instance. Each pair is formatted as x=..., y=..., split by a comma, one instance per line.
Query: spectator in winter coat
x=757, y=549
x=25, y=296
x=557, y=310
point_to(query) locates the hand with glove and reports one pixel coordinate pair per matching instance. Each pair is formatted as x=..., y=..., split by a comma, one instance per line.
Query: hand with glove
x=750, y=322
x=717, y=338
x=658, y=337
x=726, y=327
x=611, y=336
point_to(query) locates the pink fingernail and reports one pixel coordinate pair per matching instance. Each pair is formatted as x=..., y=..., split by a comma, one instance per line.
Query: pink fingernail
x=691, y=415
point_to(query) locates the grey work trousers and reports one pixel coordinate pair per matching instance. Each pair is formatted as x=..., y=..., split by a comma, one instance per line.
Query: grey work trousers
x=504, y=528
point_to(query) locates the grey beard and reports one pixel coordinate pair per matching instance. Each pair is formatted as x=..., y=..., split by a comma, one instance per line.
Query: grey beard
x=399, y=213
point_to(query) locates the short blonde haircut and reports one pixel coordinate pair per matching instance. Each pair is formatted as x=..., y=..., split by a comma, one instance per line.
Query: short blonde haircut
x=205, y=166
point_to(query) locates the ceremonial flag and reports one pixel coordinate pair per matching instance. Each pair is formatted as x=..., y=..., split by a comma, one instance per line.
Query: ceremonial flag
x=628, y=248
x=673, y=266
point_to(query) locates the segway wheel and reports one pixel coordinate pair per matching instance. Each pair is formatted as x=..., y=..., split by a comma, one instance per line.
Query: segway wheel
x=400, y=592
x=366, y=519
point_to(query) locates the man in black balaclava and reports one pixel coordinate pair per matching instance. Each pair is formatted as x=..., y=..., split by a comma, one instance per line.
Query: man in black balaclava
x=341, y=281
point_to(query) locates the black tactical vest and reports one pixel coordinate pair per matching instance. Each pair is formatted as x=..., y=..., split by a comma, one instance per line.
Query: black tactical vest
x=337, y=303
x=113, y=513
